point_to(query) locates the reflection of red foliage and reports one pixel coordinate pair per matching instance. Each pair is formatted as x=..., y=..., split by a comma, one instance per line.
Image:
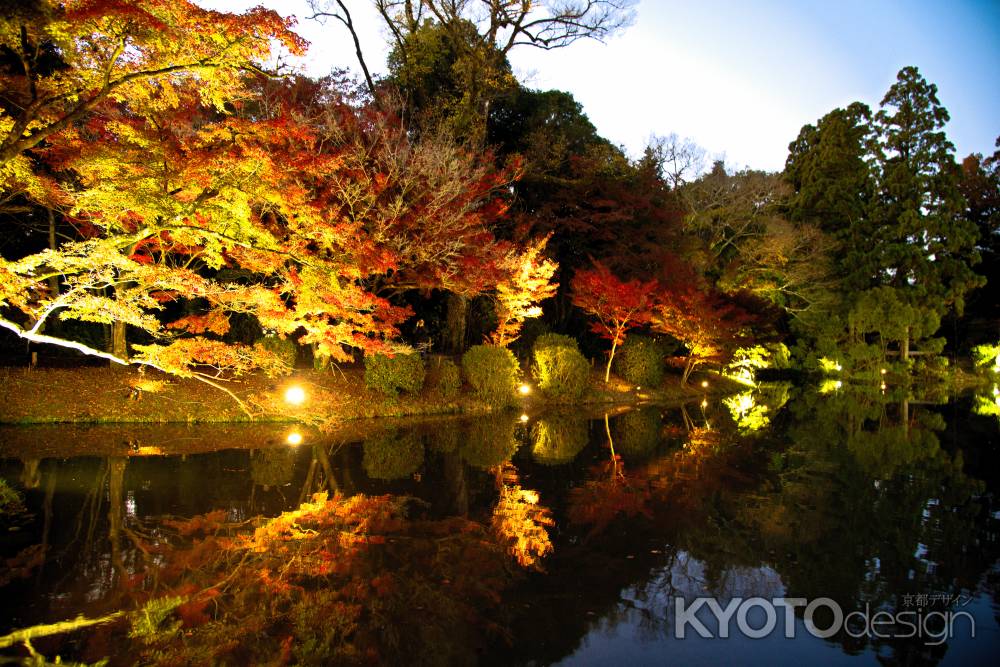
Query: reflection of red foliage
x=611, y=494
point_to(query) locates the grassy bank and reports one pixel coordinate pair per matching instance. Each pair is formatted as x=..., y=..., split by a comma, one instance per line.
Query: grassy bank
x=123, y=395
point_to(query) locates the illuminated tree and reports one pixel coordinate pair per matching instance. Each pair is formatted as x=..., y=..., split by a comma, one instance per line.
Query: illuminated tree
x=617, y=305
x=710, y=324
x=526, y=281
x=66, y=59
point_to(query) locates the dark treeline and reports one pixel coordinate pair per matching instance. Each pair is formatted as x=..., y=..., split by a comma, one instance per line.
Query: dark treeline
x=444, y=204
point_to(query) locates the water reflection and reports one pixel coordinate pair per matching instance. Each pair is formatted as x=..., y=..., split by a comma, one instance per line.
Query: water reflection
x=485, y=540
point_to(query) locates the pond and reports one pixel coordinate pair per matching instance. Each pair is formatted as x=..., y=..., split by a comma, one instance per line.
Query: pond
x=564, y=538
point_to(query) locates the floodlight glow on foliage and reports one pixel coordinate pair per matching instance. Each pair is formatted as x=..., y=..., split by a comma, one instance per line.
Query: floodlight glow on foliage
x=294, y=438
x=295, y=395
x=828, y=365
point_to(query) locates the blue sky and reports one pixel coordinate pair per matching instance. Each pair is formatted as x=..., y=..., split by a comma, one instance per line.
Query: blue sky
x=740, y=78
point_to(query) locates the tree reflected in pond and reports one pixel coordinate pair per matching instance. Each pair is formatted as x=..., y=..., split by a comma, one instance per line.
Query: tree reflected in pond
x=484, y=553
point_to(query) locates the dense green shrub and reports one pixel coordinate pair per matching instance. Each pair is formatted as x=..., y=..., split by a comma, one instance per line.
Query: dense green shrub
x=445, y=378
x=492, y=372
x=555, y=340
x=388, y=375
x=640, y=361
x=284, y=348
x=562, y=372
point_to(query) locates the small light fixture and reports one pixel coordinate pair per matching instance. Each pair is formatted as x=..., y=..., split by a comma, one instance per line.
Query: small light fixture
x=525, y=389
x=295, y=395
x=294, y=438
x=524, y=419
x=883, y=371
x=704, y=384
x=638, y=388
x=704, y=403
x=883, y=386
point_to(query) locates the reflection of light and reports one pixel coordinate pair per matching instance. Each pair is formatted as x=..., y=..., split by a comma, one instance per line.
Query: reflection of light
x=295, y=395
x=524, y=418
x=524, y=389
x=294, y=438
x=704, y=384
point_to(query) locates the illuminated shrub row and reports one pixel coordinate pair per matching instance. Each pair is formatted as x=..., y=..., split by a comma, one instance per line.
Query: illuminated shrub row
x=389, y=375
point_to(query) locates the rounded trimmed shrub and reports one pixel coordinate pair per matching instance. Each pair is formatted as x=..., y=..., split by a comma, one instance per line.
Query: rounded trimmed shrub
x=640, y=361
x=492, y=372
x=445, y=378
x=562, y=372
x=389, y=375
x=554, y=340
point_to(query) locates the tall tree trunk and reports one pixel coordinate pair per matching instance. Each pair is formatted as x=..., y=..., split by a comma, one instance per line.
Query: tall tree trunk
x=455, y=323
x=611, y=356
x=53, y=280
x=118, y=345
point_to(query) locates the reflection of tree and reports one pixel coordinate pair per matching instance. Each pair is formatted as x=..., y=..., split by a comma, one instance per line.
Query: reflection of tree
x=393, y=454
x=272, y=467
x=520, y=521
x=490, y=440
x=866, y=506
x=338, y=581
x=557, y=439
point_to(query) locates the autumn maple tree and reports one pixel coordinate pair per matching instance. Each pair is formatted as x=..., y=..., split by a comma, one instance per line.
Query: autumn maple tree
x=616, y=305
x=64, y=60
x=710, y=323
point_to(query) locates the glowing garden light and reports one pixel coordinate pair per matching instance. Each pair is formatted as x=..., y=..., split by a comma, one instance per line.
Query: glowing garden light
x=525, y=389
x=524, y=419
x=883, y=371
x=294, y=438
x=295, y=395
x=704, y=403
x=704, y=384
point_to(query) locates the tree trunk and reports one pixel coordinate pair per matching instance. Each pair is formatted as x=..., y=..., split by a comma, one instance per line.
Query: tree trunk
x=688, y=369
x=904, y=346
x=53, y=280
x=611, y=357
x=455, y=323
x=118, y=345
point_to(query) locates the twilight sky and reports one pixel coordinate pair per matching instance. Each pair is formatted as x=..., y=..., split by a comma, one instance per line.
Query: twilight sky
x=738, y=77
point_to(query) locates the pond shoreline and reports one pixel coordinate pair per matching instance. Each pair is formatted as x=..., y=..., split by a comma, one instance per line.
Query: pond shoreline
x=113, y=395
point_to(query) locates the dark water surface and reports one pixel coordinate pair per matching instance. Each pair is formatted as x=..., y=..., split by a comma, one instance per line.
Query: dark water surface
x=512, y=542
